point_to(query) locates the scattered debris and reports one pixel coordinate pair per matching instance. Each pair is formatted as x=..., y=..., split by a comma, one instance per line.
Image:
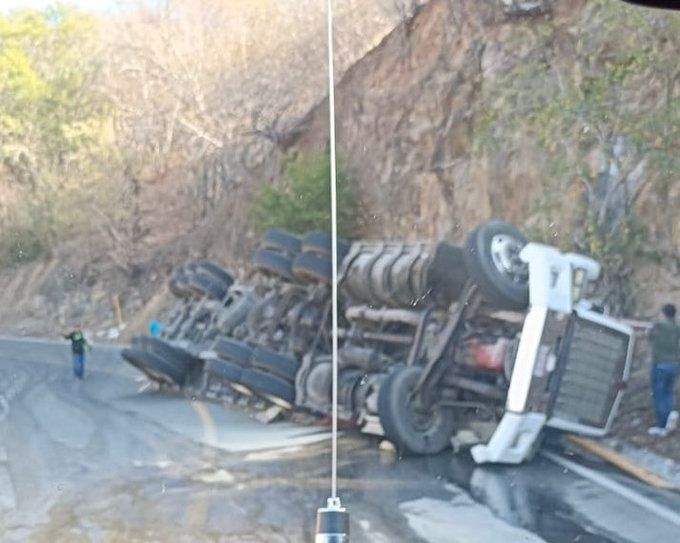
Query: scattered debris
x=147, y=385
x=464, y=439
x=623, y=463
x=269, y=415
x=387, y=446
x=220, y=476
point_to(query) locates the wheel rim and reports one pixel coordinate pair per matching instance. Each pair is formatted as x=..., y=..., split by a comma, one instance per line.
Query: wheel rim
x=505, y=256
x=421, y=419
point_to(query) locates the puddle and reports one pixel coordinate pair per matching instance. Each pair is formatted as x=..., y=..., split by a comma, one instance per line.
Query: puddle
x=460, y=520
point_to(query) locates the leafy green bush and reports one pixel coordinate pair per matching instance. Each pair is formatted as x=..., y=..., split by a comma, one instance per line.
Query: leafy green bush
x=301, y=200
x=54, y=127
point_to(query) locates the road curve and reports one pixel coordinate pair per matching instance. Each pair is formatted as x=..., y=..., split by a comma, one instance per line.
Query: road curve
x=98, y=461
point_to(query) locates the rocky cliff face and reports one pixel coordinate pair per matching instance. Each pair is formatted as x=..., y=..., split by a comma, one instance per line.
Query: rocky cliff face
x=545, y=118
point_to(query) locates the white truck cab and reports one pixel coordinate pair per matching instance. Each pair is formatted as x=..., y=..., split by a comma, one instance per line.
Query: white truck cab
x=571, y=363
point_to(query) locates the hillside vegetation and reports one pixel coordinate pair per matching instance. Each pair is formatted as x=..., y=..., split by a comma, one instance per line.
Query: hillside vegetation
x=564, y=119
x=132, y=142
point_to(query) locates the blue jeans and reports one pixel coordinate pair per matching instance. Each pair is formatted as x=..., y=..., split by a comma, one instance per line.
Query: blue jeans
x=662, y=380
x=79, y=365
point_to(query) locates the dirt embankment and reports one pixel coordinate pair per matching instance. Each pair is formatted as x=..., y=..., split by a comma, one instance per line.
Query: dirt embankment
x=256, y=73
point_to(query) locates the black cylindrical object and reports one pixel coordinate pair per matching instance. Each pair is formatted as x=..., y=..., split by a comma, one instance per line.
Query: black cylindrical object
x=332, y=524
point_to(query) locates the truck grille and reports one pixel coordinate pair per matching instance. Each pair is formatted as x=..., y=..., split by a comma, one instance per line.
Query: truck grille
x=591, y=373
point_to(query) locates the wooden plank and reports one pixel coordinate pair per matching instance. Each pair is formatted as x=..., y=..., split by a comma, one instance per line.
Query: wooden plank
x=115, y=301
x=622, y=462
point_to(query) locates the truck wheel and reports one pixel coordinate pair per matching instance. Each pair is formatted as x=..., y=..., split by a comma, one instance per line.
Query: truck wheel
x=218, y=272
x=313, y=267
x=178, y=286
x=492, y=260
x=273, y=263
x=281, y=241
x=410, y=428
x=321, y=243
x=233, y=351
x=270, y=387
x=277, y=364
x=206, y=285
x=156, y=367
x=227, y=371
x=165, y=350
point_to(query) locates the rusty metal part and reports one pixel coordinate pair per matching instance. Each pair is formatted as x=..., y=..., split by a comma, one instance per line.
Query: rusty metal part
x=436, y=364
x=363, y=312
x=471, y=385
x=403, y=275
x=363, y=358
x=360, y=335
x=417, y=346
x=448, y=398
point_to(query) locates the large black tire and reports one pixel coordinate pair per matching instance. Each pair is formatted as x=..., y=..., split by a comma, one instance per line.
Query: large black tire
x=155, y=367
x=189, y=267
x=492, y=261
x=321, y=243
x=277, y=364
x=167, y=351
x=218, y=272
x=314, y=267
x=270, y=387
x=281, y=241
x=233, y=351
x=273, y=263
x=178, y=283
x=224, y=370
x=411, y=430
x=179, y=287
x=203, y=284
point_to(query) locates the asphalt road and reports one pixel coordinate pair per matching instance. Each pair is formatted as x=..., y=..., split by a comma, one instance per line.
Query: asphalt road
x=98, y=461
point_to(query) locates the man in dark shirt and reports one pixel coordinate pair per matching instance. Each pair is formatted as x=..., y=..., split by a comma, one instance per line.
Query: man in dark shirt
x=78, y=344
x=665, y=341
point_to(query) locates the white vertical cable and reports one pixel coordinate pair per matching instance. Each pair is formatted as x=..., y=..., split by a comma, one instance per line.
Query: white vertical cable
x=334, y=255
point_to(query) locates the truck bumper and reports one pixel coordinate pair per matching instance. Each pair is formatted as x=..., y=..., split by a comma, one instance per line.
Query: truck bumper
x=514, y=440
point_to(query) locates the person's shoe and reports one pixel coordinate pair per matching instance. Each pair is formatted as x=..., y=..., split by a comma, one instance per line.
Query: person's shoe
x=657, y=431
x=672, y=421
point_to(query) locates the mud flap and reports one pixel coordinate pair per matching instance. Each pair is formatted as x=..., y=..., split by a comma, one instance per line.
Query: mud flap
x=514, y=440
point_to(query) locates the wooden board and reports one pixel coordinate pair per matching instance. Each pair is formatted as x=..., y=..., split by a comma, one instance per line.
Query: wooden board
x=622, y=462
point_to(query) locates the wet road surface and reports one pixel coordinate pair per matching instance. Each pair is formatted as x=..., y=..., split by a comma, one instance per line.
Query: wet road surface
x=98, y=461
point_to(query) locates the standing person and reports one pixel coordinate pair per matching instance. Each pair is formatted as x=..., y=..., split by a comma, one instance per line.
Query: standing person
x=665, y=340
x=78, y=344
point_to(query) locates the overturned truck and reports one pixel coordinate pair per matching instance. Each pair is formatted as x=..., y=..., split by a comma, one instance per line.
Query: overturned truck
x=495, y=335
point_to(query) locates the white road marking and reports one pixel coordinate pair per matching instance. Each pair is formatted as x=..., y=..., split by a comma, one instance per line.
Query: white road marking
x=618, y=488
